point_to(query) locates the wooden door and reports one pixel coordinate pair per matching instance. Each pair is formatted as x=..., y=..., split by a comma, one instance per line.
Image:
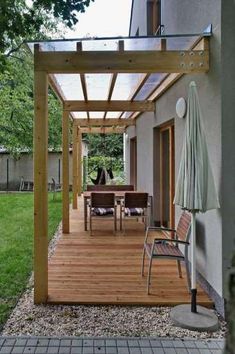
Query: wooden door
x=167, y=176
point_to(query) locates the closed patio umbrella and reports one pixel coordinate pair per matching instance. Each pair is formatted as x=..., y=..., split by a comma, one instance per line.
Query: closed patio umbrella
x=195, y=188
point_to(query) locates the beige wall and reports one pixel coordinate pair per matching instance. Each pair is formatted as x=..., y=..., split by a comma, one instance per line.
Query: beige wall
x=195, y=17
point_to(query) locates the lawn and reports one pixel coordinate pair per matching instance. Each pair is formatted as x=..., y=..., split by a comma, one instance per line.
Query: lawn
x=16, y=245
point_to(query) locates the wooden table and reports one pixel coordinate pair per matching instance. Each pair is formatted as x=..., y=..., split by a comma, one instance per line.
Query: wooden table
x=118, y=195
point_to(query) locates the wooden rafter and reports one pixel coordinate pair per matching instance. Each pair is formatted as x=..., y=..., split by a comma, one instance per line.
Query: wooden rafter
x=101, y=122
x=187, y=61
x=112, y=106
x=56, y=88
x=83, y=79
x=114, y=76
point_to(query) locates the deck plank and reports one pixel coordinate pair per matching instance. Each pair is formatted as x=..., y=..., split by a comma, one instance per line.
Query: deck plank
x=105, y=269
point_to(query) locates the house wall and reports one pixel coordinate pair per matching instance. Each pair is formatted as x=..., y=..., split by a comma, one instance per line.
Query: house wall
x=139, y=18
x=23, y=167
x=228, y=134
x=183, y=16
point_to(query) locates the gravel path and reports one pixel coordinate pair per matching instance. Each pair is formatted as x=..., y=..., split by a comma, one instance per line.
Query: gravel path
x=105, y=321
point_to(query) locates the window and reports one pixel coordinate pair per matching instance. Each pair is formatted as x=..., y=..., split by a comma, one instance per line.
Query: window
x=153, y=16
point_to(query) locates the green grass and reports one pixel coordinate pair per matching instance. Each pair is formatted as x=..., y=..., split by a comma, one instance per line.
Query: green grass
x=16, y=245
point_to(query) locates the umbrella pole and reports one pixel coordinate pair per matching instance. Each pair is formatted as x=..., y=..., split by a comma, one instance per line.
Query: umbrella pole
x=193, y=265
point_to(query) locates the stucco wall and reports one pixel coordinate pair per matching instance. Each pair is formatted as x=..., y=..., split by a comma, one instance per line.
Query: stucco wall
x=184, y=16
x=228, y=133
x=139, y=18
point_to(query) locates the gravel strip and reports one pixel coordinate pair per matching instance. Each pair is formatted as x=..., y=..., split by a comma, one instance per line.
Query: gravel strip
x=103, y=321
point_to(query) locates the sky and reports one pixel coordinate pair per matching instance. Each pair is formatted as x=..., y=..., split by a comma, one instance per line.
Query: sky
x=103, y=18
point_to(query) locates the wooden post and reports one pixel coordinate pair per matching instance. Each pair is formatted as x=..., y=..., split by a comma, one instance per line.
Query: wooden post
x=40, y=186
x=79, y=140
x=65, y=172
x=163, y=44
x=75, y=167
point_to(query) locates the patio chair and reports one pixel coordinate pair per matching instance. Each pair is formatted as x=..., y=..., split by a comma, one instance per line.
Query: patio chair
x=103, y=205
x=168, y=248
x=135, y=205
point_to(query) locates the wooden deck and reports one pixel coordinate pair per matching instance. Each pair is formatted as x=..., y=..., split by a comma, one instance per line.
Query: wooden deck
x=105, y=269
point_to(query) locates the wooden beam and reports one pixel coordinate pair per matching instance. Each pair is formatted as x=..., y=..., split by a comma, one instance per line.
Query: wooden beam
x=100, y=130
x=163, y=44
x=196, y=61
x=65, y=172
x=114, y=76
x=79, y=167
x=83, y=79
x=40, y=187
x=112, y=106
x=107, y=122
x=56, y=88
x=75, y=167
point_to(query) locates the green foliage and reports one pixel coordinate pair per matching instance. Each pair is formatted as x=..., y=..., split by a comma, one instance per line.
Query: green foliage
x=20, y=18
x=16, y=239
x=105, y=151
x=110, y=145
x=17, y=107
x=113, y=163
x=116, y=164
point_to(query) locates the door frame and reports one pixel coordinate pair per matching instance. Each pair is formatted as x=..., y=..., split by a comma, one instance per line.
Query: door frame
x=133, y=162
x=169, y=126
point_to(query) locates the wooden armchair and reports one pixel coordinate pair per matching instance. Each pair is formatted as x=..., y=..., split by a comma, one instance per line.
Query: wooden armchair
x=168, y=248
x=135, y=205
x=103, y=205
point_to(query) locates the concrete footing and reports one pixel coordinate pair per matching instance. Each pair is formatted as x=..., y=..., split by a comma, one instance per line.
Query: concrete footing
x=203, y=320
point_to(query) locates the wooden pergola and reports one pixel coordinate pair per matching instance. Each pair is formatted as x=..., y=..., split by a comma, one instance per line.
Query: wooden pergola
x=52, y=64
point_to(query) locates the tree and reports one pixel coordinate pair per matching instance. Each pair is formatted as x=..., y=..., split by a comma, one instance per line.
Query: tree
x=21, y=18
x=17, y=107
x=110, y=145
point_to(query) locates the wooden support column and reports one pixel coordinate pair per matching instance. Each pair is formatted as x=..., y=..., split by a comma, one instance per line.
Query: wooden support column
x=65, y=173
x=40, y=186
x=75, y=166
x=79, y=144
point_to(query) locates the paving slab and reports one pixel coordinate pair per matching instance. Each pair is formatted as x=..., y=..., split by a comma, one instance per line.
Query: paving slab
x=114, y=345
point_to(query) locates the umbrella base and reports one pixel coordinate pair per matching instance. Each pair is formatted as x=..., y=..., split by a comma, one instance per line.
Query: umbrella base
x=203, y=320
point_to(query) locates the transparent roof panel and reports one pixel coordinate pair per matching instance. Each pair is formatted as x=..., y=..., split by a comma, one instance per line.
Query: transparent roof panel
x=79, y=114
x=96, y=114
x=70, y=85
x=98, y=85
x=152, y=82
x=125, y=84
x=130, y=43
x=113, y=114
x=127, y=114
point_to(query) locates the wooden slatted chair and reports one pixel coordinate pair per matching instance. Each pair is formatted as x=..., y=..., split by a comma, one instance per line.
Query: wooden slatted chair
x=168, y=248
x=135, y=205
x=103, y=205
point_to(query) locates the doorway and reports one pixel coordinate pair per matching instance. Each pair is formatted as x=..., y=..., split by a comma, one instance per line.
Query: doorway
x=133, y=162
x=167, y=175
